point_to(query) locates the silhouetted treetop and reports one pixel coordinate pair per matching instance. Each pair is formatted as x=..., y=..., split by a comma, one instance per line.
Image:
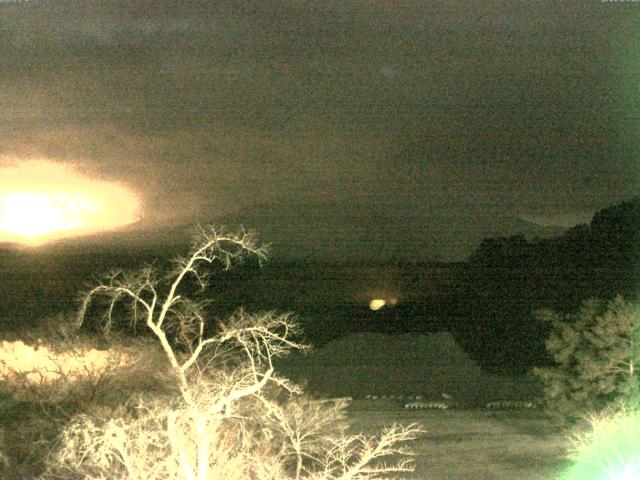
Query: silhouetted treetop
x=612, y=240
x=507, y=278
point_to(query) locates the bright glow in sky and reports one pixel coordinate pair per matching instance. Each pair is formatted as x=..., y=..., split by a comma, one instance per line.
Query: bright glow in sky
x=42, y=201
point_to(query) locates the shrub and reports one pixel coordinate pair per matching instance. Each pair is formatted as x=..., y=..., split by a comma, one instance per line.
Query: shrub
x=597, y=353
x=232, y=417
x=44, y=385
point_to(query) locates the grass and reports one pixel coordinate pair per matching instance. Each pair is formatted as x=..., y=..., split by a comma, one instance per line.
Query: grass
x=472, y=444
x=458, y=444
x=378, y=364
x=465, y=443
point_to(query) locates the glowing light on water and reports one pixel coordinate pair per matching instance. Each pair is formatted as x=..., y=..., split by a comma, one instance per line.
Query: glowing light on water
x=41, y=201
x=377, y=304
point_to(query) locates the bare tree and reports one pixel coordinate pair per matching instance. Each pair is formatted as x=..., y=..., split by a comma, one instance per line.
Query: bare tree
x=207, y=433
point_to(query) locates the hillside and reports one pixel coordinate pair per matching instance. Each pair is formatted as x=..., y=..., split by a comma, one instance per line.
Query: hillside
x=379, y=364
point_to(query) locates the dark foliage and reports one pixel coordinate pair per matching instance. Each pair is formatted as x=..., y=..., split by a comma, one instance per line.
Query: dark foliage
x=596, y=353
x=508, y=278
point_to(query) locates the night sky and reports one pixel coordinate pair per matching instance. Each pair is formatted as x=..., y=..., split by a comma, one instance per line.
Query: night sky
x=427, y=115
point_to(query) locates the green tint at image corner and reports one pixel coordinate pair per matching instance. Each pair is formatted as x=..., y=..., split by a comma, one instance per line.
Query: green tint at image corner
x=626, y=63
x=610, y=452
x=627, y=72
x=621, y=471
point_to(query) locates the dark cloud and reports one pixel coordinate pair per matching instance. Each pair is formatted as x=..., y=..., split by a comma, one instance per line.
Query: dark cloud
x=207, y=107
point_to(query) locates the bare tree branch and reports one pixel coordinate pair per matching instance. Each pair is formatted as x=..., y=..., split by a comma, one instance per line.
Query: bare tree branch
x=189, y=438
